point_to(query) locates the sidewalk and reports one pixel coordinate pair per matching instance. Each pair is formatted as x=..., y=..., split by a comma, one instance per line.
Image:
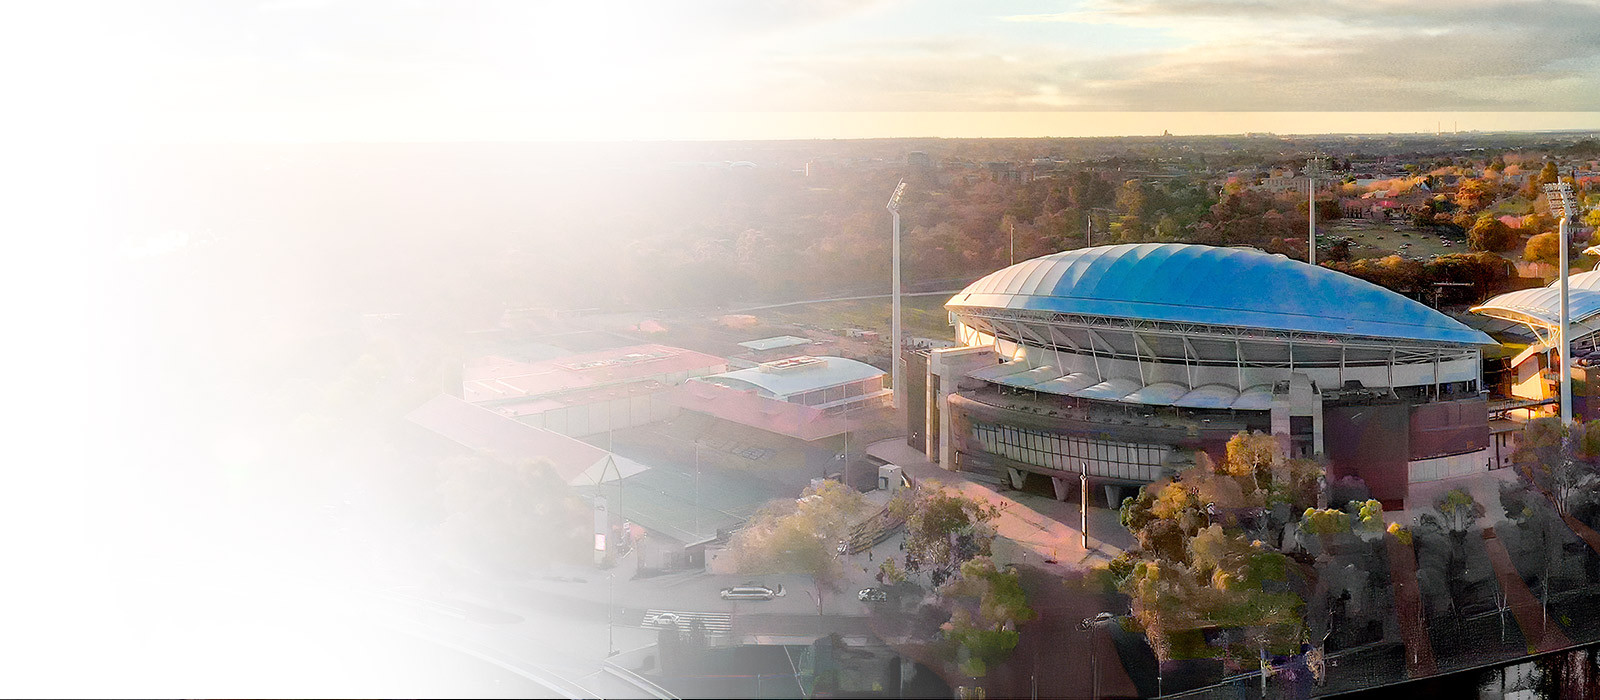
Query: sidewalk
x=1036, y=530
x=1408, y=607
x=1542, y=634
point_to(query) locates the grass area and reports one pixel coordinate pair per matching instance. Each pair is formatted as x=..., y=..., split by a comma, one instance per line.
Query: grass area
x=922, y=316
x=1377, y=240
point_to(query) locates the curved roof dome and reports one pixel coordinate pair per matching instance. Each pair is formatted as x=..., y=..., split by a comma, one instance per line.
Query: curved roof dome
x=1240, y=287
x=1541, y=306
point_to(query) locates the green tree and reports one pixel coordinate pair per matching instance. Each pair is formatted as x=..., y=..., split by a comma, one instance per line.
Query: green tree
x=799, y=536
x=943, y=530
x=987, y=635
x=1459, y=509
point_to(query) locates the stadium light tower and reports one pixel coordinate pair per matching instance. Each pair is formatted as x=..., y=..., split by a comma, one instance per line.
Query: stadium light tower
x=1565, y=206
x=897, y=377
x=1314, y=170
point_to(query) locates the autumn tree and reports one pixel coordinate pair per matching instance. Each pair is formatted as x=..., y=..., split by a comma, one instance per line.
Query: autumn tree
x=1202, y=560
x=1543, y=248
x=1490, y=234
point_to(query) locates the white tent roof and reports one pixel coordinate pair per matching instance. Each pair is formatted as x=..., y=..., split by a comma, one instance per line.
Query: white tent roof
x=1256, y=398
x=1209, y=396
x=1110, y=389
x=1158, y=394
x=1030, y=378
x=1066, y=385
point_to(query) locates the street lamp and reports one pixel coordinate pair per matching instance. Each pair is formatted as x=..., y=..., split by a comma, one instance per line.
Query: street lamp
x=1088, y=625
x=1565, y=206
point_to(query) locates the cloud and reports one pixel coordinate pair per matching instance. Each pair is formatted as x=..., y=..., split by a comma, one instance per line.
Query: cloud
x=1347, y=55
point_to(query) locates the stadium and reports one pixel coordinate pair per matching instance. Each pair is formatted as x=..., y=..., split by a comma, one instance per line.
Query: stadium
x=1124, y=362
x=1531, y=374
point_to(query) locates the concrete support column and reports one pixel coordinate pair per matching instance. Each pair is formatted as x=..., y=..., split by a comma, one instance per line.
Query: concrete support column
x=947, y=449
x=1063, y=488
x=934, y=407
x=1113, y=495
x=1018, y=477
x=1316, y=424
x=1280, y=422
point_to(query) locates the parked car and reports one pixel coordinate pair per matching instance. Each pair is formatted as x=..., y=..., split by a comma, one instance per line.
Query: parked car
x=752, y=592
x=872, y=595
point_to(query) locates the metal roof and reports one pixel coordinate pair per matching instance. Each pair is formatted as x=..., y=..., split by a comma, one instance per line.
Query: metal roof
x=1238, y=287
x=830, y=371
x=775, y=342
x=1541, y=307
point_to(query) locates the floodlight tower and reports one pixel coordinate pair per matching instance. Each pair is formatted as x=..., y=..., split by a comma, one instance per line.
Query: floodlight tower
x=1565, y=206
x=1314, y=170
x=897, y=377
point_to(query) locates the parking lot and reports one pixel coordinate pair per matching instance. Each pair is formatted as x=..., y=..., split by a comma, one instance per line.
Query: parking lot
x=1382, y=239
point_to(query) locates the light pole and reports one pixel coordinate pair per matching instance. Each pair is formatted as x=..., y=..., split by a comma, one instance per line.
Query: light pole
x=611, y=606
x=1090, y=624
x=1083, y=503
x=697, y=488
x=1088, y=234
x=1314, y=170
x=1565, y=206
x=898, y=377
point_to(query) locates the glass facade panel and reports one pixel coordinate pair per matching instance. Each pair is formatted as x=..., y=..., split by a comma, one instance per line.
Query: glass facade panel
x=1105, y=458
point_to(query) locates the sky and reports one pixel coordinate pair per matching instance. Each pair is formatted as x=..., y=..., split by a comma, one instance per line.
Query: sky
x=457, y=70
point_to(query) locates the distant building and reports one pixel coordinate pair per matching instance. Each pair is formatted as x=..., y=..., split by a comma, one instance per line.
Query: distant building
x=918, y=159
x=1284, y=184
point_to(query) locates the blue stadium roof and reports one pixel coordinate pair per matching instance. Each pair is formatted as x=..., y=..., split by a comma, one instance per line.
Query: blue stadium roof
x=1240, y=287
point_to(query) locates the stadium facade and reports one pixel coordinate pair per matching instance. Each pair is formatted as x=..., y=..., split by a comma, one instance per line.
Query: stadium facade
x=1124, y=362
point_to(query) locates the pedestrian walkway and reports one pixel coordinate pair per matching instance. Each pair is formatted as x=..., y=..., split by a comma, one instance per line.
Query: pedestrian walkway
x=1408, y=606
x=1041, y=531
x=1541, y=634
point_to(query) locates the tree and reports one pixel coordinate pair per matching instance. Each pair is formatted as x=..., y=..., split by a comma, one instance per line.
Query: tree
x=943, y=530
x=1131, y=198
x=1543, y=248
x=1202, y=561
x=1459, y=509
x=799, y=536
x=987, y=635
x=1490, y=234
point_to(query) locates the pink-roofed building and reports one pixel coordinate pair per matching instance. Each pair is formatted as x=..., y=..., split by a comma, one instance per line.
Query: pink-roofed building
x=587, y=393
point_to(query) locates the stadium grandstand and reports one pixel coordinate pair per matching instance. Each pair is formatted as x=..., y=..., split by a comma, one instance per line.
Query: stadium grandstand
x=1123, y=362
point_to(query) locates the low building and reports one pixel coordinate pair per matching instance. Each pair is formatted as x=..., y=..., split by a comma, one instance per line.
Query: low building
x=588, y=393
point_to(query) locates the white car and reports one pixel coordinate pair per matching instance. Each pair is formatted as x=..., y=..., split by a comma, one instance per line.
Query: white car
x=752, y=592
